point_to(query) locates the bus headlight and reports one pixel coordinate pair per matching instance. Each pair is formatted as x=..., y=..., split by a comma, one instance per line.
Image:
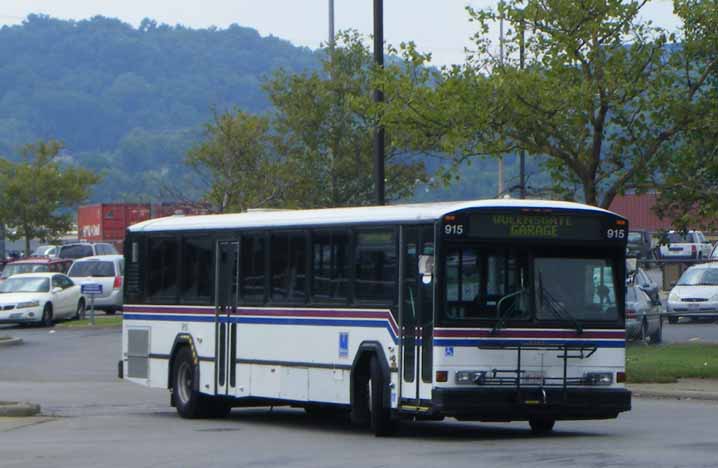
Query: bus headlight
x=470, y=377
x=598, y=378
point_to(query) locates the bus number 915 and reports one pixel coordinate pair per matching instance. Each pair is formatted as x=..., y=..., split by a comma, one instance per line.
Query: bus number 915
x=454, y=229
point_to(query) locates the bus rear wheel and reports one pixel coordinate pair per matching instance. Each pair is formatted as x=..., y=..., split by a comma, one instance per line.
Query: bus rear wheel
x=541, y=426
x=190, y=403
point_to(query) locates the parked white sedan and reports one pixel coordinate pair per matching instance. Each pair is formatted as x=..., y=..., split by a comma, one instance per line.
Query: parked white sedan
x=696, y=293
x=40, y=298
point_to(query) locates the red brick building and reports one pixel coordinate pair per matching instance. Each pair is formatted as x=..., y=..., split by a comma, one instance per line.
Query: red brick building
x=639, y=211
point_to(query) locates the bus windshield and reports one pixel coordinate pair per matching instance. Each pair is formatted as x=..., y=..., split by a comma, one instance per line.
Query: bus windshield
x=521, y=284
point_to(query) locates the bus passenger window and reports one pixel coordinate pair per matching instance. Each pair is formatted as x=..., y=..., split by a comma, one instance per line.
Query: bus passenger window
x=252, y=268
x=330, y=266
x=376, y=266
x=163, y=267
x=288, y=266
x=197, y=267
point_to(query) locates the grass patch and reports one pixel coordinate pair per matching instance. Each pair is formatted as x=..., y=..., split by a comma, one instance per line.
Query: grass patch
x=665, y=364
x=100, y=321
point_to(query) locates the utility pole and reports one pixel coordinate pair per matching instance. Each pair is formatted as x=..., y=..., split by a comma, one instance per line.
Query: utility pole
x=379, y=97
x=501, y=62
x=331, y=24
x=522, y=157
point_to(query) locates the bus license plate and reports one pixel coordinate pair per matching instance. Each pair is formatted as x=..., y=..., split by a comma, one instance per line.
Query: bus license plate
x=532, y=378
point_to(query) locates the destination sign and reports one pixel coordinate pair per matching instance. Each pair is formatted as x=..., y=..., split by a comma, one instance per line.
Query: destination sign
x=513, y=225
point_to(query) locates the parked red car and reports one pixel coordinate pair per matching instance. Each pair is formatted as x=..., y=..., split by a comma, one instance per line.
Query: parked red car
x=35, y=265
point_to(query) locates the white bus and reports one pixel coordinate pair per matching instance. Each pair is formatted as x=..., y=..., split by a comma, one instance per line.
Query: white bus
x=492, y=310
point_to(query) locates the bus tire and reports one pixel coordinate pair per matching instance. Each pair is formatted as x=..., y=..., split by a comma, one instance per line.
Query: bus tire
x=380, y=416
x=541, y=426
x=188, y=401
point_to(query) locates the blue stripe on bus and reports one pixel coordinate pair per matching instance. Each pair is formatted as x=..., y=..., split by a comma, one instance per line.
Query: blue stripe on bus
x=598, y=343
x=268, y=321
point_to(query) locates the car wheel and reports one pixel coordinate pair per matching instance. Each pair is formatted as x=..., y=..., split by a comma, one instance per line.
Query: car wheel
x=46, y=316
x=541, y=426
x=80, y=312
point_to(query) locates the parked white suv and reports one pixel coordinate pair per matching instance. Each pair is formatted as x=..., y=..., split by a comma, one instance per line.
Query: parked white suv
x=691, y=244
x=107, y=270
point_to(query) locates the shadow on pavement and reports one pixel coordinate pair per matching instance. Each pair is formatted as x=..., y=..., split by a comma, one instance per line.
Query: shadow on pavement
x=448, y=430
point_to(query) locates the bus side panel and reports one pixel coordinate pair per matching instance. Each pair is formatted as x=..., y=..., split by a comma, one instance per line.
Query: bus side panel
x=305, y=362
x=161, y=338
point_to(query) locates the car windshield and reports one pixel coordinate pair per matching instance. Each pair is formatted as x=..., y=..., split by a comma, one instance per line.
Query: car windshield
x=91, y=268
x=634, y=237
x=25, y=285
x=43, y=250
x=699, y=277
x=75, y=251
x=677, y=238
x=16, y=268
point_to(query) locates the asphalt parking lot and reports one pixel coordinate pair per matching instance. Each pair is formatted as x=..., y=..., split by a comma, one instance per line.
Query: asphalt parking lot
x=90, y=418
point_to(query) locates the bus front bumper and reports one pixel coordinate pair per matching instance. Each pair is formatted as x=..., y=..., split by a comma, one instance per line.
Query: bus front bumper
x=512, y=404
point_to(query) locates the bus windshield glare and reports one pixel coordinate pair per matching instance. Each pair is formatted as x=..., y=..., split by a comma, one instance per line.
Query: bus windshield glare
x=510, y=284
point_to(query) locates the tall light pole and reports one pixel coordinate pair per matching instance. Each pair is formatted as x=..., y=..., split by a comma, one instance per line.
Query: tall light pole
x=522, y=157
x=500, y=188
x=379, y=97
x=331, y=23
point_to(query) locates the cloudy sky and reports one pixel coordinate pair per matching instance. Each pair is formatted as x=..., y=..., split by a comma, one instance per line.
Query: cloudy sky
x=438, y=26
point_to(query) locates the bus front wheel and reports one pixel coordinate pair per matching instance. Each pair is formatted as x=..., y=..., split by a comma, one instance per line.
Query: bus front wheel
x=541, y=426
x=380, y=416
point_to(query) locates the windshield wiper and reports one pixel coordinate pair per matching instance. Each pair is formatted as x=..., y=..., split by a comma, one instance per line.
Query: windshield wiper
x=556, y=308
x=499, y=315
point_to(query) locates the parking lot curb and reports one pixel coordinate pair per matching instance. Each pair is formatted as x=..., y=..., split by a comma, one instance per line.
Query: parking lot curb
x=9, y=341
x=706, y=390
x=16, y=409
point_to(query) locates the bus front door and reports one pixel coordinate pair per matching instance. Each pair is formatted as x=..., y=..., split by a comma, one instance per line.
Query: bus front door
x=417, y=319
x=227, y=275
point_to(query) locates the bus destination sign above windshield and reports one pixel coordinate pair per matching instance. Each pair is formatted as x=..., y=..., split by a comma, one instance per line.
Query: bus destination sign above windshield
x=535, y=226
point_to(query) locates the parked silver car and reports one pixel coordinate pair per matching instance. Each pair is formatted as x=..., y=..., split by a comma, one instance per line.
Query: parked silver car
x=106, y=270
x=643, y=317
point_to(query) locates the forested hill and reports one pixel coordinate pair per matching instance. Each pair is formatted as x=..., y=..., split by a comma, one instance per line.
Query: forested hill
x=129, y=100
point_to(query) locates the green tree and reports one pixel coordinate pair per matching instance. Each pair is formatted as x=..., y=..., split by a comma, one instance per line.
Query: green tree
x=237, y=164
x=324, y=127
x=597, y=95
x=38, y=192
x=688, y=170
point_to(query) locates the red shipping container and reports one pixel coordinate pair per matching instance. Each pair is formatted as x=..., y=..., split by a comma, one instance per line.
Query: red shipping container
x=109, y=221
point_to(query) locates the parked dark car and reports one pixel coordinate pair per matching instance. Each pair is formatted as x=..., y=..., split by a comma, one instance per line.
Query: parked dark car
x=643, y=318
x=640, y=245
x=643, y=281
x=85, y=249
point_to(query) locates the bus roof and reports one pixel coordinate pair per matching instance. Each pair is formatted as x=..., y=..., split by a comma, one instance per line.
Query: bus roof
x=409, y=213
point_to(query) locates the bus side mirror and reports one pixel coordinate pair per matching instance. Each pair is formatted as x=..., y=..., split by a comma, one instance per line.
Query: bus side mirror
x=426, y=268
